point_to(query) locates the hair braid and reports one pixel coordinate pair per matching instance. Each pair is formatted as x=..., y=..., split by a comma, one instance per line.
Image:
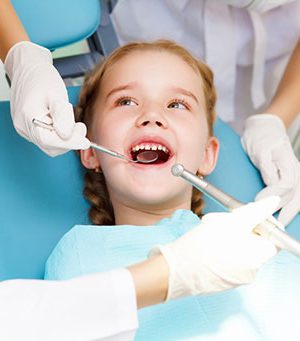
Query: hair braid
x=95, y=191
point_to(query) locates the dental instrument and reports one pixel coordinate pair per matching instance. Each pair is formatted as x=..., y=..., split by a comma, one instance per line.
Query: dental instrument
x=146, y=156
x=269, y=228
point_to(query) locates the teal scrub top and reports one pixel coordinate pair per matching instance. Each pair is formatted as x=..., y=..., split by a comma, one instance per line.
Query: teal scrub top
x=267, y=310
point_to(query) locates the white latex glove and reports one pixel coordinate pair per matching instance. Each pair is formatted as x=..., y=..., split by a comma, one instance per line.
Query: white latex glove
x=220, y=253
x=269, y=148
x=38, y=91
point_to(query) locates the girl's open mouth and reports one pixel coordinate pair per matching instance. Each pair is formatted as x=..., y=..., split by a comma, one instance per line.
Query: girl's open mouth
x=163, y=153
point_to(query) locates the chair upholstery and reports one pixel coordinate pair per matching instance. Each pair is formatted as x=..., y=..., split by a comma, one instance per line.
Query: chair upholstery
x=56, y=23
x=40, y=199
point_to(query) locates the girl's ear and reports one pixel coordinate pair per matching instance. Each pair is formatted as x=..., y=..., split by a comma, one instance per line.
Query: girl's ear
x=89, y=159
x=210, y=156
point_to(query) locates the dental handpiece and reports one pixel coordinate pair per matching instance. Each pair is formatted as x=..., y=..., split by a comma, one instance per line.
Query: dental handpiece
x=268, y=229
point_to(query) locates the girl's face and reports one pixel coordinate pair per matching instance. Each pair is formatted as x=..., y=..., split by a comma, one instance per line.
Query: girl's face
x=151, y=99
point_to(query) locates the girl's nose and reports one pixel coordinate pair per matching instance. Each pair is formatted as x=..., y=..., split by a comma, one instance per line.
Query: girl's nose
x=152, y=117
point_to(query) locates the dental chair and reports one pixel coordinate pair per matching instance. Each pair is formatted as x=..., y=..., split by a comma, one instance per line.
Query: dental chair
x=41, y=197
x=56, y=24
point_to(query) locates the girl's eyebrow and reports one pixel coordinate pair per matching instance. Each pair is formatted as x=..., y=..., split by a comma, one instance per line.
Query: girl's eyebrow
x=132, y=85
x=120, y=88
x=185, y=92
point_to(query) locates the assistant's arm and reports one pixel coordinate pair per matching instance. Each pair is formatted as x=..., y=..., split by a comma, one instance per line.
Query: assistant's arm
x=11, y=28
x=286, y=102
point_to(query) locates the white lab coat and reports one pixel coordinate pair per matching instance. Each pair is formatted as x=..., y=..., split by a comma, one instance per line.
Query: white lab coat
x=247, y=49
x=95, y=307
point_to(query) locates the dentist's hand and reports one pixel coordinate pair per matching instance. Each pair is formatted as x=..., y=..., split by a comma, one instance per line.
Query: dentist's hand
x=38, y=91
x=268, y=146
x=220, y=253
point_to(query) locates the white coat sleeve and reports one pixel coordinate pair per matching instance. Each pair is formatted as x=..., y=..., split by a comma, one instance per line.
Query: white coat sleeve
x=93, y=307
x=256, y=5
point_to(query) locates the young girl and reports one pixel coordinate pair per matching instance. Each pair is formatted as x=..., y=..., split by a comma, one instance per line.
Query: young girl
x=149, y=96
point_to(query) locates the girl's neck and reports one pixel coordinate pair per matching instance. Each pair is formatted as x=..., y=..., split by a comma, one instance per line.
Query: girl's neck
x=125, y=215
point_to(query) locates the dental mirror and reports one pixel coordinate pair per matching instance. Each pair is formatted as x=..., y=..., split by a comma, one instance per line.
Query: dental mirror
x=147, y=156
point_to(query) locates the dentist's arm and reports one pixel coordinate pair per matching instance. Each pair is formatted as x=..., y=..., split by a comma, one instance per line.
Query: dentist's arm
x=84, y=308
x=265, y=140
x=37, y=90
x=219, y=254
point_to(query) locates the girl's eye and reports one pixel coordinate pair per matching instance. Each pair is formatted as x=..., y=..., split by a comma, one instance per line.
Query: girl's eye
x=126, y=101
x=178, y=104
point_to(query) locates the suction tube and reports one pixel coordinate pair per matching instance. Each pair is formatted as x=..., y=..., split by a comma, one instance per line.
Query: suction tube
x=268, y=229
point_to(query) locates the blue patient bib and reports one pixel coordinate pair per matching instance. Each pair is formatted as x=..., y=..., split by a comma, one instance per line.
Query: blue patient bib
x=267, y=310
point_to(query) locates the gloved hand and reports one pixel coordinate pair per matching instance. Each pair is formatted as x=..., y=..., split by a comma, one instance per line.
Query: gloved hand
x=220, y=253
x=268, y=146
x=38, y=91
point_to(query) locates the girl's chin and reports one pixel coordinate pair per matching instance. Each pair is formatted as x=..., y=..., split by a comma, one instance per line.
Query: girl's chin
x=154, y=195
x=163, y=182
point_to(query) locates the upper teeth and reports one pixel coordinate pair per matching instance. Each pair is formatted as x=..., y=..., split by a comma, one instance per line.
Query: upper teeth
x=150, y=147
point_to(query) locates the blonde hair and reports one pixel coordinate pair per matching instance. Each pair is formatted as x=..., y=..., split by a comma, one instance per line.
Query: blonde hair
x=95, y=190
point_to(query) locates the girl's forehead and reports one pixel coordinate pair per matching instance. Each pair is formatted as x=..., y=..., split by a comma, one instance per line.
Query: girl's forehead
x=148, y=58
x=159, y=64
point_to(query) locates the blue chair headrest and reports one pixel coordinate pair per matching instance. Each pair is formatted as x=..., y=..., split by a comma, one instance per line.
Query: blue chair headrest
x=62, y=22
